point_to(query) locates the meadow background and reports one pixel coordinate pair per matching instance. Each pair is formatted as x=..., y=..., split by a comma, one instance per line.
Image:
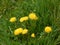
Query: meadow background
x=48, y=12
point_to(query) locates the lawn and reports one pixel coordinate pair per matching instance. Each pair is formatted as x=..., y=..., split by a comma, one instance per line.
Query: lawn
x=47, y=14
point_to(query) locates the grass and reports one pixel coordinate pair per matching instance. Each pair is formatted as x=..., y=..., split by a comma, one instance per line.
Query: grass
x=48, y=12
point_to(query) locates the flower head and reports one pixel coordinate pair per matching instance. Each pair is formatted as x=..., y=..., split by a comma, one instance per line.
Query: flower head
x=33, y=35
x=25, y=31
x=18, y=31
x=13, y=19
x=33, y=16
x=23, y=19
x=48, y=29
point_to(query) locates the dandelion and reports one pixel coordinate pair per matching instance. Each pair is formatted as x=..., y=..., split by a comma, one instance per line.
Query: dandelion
x=25, y=31
x=13, y=19
x=33, y=16
x=33, y=35
x=18, y=31
x=23, y=19
x=48, y=29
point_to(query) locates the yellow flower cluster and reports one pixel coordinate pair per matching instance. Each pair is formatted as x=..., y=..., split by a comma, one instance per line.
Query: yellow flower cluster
x=13, y=19
x=23, y=18
x=48, y=29
x=20, y=31
x=32, y=16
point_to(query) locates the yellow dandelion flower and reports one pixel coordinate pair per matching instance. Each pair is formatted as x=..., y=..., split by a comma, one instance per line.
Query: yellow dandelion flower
x=25, y=31
x=18, y=31
x=48, y=29
x=26, y=18
x=13, y=19
x=23, y=19
x=33, y=35
x=33, y=16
